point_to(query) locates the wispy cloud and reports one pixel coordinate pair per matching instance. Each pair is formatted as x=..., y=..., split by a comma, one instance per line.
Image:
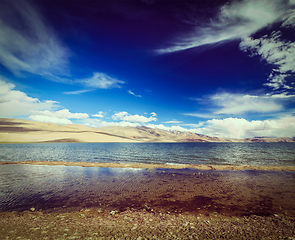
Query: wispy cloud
x=274, y=51
x=27, y=43
x=228, y=104
x=132, y=93
x=100, y=80
x=244, y=103
x=200, y=115
x=289, y=19
x=78, y=92
x=30, y=45
x=236, y=20
x=14, y=103
x=173, y=121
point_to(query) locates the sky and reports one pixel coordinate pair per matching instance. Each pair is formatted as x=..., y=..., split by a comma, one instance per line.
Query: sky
x=212, y=67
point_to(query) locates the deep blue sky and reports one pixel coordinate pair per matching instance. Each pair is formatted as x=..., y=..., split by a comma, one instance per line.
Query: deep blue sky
x=220, y=68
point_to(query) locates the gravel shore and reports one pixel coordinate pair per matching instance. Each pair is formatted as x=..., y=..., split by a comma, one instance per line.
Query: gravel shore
x=142, y=224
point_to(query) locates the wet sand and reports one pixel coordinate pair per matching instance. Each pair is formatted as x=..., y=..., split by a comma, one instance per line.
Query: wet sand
x=145, y=202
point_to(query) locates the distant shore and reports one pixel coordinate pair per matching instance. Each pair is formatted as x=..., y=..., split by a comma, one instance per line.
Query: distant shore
x=26, y=131
x=153, y=166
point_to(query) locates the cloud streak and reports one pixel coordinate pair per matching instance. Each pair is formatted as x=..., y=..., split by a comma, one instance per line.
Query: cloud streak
x=274, y=51
x=244, y=103
x=236, y=20
x=224, y=104
x=100, y=81
x=27, y=43
x=132, y=93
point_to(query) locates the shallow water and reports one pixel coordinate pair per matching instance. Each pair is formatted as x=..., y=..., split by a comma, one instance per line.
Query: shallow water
x=67, y=188
x=276, y=154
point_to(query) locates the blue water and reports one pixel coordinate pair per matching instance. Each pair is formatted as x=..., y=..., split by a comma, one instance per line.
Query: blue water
x=276, y=154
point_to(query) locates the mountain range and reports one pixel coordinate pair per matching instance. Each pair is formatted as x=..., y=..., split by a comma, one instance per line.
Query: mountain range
x=26, y=131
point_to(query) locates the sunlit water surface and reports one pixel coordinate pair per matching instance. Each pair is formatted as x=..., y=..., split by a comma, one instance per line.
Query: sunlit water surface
x=280, y=154
x=66, y=188
x=46, y=187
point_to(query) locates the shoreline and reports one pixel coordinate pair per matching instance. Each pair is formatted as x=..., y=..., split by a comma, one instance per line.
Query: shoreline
x=155, y=166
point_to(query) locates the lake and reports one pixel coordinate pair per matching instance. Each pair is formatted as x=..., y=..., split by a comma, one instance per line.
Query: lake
x=274, y=154
x=63, y=188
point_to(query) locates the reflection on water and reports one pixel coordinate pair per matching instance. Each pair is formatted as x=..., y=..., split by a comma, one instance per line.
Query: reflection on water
x=279, y=154
x=66, y=188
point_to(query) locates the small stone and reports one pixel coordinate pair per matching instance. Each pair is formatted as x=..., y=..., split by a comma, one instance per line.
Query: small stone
x=112, y=212
x=32, y=209
x=139, y=238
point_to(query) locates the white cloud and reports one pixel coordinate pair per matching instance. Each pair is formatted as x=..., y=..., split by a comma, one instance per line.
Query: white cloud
x=274, y=51
x=132, y=93
x=233, y=104
x=57, y=117
x=15, y=103
x=64, y=113
x=289, y=19
x=240, y=103
x=101, y=80
x=153, y=114
x=28, y=43
x=200, y=115
x=236, y=20
x=119, y=115
x=173, y=121
x=172, y=128
x=98, y=123
x=78, y=92
x=49, y=119
x=242, y=128
x=100, y=114
x=125, y=116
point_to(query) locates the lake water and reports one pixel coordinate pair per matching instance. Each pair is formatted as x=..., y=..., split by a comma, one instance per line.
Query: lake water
x=72, y=188
x=275, y=154
x=62, y=188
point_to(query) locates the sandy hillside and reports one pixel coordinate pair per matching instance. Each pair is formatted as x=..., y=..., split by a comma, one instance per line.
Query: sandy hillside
x=25, y=131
